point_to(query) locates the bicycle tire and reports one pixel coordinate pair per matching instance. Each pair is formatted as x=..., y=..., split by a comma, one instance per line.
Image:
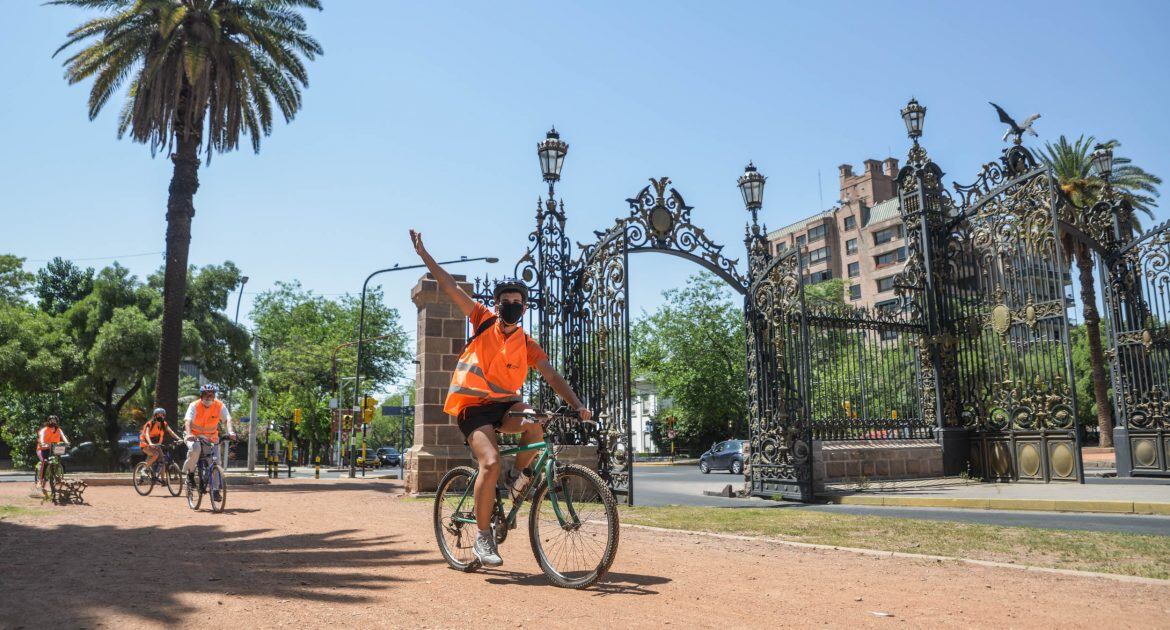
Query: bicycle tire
x=451, y=488
x=143, y=479
x=194, y=495
x=56, y=475
x=217, y=479
x=174, y=479
x=589, y=490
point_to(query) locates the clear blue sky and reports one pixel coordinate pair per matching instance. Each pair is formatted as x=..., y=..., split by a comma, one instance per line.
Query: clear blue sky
x=426, y=115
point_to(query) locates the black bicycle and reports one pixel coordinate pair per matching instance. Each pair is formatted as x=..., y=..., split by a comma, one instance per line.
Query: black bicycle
x=165, y=471
x=209, y=477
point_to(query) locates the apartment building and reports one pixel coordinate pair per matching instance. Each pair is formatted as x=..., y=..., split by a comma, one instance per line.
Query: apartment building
x=860, y=240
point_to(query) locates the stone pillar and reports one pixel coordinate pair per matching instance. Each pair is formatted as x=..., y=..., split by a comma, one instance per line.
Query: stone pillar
x=442, y=332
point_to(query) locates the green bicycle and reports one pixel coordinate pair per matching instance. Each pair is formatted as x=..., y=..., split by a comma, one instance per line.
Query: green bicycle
x=50, y=469
x=572, y=524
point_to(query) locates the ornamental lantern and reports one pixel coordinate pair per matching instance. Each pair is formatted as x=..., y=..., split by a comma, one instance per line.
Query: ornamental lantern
x=751, y=186
x=552, y=152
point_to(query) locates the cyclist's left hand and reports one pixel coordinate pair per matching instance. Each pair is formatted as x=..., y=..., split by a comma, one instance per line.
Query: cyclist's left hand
x=232, y=437
x=584, y=414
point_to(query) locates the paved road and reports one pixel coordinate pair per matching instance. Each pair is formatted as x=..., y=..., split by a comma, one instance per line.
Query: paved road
x=684, y=485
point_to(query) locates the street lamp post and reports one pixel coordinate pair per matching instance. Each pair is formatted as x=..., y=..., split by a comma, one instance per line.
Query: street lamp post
x=362, y=331
x=231, y=391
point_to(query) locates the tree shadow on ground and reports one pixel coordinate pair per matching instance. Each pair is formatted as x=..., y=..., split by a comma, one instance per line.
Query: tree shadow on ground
x=610, y=584
x=76, y=575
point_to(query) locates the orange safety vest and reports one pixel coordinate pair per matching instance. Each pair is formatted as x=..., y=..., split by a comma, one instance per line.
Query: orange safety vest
x=491, y=369
x=207, y=419
x=51, y=435
x=154, y=430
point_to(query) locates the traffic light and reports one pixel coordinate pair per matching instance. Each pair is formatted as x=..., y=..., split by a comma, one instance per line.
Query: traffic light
x=296, y=417
x=346, y=422
x=369, y=403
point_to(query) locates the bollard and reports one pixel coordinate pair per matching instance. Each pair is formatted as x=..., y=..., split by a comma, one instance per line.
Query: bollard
x=317, y=467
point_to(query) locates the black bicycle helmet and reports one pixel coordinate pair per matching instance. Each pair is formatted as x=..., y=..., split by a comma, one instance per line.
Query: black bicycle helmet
x=508, y=285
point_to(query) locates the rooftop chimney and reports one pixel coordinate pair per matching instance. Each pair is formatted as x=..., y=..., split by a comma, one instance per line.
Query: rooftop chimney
x=891, y=167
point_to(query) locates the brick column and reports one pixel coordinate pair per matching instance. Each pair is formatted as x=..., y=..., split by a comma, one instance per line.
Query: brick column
x=442, y=332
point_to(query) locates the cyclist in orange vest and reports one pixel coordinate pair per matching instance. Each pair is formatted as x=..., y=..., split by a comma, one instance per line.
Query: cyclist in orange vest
x=202, y=420
x=486, y=386
x=49, y=435
x=153, y=433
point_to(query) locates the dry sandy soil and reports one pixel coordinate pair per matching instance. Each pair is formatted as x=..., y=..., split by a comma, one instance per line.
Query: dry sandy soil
x=310, y=554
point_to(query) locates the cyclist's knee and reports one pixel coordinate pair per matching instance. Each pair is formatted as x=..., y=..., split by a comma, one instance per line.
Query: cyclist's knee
x=490, y=465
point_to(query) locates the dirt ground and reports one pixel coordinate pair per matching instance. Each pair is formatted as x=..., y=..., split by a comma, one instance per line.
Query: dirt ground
x=310, y=554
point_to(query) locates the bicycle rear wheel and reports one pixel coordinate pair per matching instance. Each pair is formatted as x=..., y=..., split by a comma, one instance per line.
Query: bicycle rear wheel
x=577, y=548
x=456, y=538
x=174, y=479
x=143, y=479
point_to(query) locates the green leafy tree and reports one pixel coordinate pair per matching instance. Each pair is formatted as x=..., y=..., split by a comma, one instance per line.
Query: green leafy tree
x=61, y=284
x=1071, y=162
x=201, y=73
x=14, y=280
x=299, y=332
x=692, y=349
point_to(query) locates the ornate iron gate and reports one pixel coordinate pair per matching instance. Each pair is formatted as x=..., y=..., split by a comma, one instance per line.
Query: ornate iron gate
x=1138, y=297
x=780, y=459
x=599, y=341
x=1007, y=301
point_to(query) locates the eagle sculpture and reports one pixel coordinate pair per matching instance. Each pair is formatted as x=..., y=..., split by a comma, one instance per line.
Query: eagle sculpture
x=1014, y=128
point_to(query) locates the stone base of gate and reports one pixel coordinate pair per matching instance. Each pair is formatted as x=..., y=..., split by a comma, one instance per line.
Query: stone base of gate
x=870, y=460
x=426, y=465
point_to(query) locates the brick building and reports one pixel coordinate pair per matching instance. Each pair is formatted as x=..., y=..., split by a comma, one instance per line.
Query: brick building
x=860, y=240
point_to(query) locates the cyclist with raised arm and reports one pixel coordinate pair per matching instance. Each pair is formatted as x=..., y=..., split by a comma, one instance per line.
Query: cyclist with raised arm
x=202, y=421
x=153, y=433
x=49, y=435
x=485, y=388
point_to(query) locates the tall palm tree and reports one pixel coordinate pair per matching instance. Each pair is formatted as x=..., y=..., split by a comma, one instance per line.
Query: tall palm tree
x=1072, y=165
x=202, y=72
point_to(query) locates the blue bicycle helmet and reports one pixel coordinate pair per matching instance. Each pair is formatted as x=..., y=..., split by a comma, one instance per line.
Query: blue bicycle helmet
x=208, y=387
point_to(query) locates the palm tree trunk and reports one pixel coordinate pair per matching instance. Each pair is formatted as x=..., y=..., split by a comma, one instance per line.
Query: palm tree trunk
x=1096, y=352
x=180, y=210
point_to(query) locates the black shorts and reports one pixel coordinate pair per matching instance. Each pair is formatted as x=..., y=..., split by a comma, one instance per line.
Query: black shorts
x=490, y=414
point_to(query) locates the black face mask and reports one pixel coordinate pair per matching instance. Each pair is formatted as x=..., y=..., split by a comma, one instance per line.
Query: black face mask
x=510, y=312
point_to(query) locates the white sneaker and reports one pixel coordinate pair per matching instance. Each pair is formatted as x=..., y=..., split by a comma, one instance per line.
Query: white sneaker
x=485, y=550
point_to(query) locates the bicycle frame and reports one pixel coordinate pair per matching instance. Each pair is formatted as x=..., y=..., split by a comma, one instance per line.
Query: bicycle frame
x=544, y=467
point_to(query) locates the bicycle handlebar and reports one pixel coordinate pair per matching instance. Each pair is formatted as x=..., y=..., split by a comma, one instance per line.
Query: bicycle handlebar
x=562, y=412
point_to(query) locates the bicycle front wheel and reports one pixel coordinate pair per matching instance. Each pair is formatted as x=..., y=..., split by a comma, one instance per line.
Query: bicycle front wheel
x=143, y=479
x=217, y=484
x=454, y=507
x=573, y=526
x=174, y=479
x=194, y=494
x=56, y=475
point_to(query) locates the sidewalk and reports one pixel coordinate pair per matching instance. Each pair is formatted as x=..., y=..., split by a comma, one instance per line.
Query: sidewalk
x=1117, y=496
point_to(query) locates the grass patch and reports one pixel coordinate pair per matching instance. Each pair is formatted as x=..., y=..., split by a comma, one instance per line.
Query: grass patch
x=9, y=511
x=1104, y=552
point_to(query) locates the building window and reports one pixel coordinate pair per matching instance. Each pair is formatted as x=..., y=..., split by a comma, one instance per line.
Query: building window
x=885, y=284
x=854, y=269
x=889, y=306
x=816, y=233
x=817, y=255
x=887, y=235
x=781, y=247
x=855, y=292
x=851, y=246
x=800, y=240
x=820, y=276
x=890, y=257
x=850, y=222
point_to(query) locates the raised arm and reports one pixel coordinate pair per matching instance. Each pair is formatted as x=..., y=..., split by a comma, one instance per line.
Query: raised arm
x=446, y=282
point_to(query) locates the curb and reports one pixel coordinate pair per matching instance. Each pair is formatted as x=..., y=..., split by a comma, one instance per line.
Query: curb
x=126, y=480
x=679, y=462
x=1118, y=577
x=1031, y=505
